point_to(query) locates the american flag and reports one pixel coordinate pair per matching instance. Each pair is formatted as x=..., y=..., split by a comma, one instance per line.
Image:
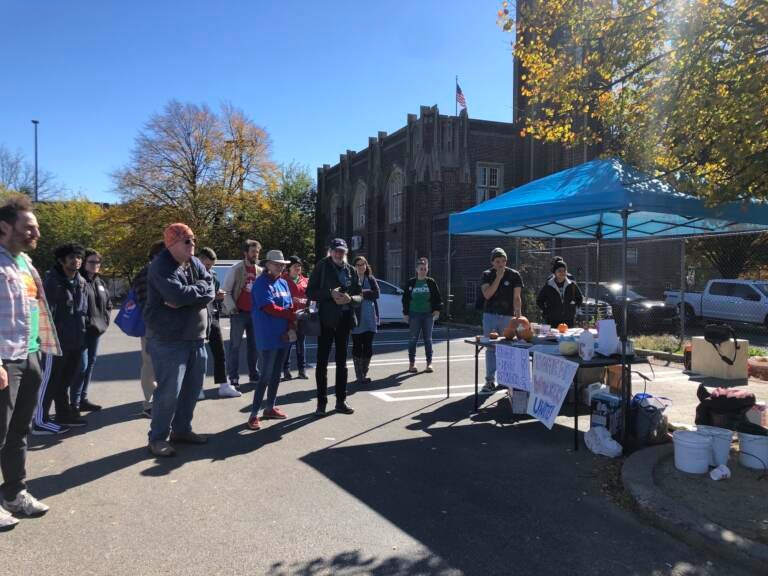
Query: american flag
x=460, y=96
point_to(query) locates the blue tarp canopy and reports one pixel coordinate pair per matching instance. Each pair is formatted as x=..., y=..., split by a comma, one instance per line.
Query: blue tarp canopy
x=587, y=201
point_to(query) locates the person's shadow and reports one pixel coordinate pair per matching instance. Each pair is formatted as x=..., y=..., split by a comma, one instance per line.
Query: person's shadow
x=228, y=443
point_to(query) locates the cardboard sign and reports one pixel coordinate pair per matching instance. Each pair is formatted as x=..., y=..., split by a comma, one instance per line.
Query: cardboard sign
x=552, y=377
x=513, y=367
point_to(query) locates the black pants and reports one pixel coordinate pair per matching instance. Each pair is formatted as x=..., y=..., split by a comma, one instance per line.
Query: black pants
x=362, y=344
x=64, y=371
x=17, y=406
x=216, y=344
x=299, y=346
x=338, y=337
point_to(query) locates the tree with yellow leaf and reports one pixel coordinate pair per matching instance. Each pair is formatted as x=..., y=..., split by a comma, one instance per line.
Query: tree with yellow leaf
x=677, y=88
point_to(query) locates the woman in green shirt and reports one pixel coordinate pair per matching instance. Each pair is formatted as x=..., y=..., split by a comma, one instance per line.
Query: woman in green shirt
x=421, y=307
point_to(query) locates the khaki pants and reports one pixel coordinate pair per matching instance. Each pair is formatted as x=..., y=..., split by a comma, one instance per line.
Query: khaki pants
x=148, y=383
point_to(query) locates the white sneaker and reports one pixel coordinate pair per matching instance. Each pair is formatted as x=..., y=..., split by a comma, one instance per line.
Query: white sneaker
x=226, y=390
x=6, y=520
x=488, y=389
x=26, y=504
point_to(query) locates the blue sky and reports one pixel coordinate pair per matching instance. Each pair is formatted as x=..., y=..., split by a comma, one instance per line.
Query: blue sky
x=321, y=77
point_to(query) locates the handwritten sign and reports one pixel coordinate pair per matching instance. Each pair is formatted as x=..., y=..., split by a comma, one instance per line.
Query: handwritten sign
x=513, y=367
x=552, y=377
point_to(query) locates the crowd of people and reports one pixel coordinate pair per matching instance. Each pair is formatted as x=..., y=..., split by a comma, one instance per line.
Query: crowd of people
x=50, y=329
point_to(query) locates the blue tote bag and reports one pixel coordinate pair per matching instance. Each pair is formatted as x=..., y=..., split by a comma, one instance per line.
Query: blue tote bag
x=129, y=318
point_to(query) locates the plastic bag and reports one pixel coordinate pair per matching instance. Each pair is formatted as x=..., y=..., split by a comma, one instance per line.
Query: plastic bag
x=599, y=441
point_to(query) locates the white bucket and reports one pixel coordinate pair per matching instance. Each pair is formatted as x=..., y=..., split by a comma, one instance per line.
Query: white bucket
x=692, y=451
x=721, y=443
x=753, y=449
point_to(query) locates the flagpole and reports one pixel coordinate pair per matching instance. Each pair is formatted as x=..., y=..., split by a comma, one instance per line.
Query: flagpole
x=455, y=99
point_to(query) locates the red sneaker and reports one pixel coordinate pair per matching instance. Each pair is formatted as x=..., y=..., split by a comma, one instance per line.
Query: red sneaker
x=254, y=423
x=274, y=414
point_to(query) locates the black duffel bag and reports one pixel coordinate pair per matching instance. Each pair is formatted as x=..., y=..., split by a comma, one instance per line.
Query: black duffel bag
x=718, y=333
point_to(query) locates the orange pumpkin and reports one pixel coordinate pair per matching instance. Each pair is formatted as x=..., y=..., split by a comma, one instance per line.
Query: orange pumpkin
x=562, y=328
x=518, y=328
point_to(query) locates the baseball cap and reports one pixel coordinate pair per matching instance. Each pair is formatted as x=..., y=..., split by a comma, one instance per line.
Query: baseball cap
x=338, y=244
x=498, y=252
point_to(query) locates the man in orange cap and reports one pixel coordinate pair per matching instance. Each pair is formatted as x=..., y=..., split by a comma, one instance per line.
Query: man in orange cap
x=179, y=289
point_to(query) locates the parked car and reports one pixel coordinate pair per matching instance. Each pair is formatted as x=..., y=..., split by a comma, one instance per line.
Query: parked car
x=724, y=299
x=390, y=302
x=643, y=314
x=586, y=312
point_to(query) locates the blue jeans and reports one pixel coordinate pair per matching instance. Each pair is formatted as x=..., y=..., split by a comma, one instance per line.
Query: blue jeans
x=179, y=371
x=78, y=392
x=300, y=349
x=420, y=323
x=237, y=324
x=492, y=323
x=271, y=364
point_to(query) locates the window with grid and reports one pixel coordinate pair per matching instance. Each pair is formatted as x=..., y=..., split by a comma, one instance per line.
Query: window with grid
x=334, y=213
x=471, y=288
x=360, y=206
x=489, y=178
x=394, y=267
x=395, y=195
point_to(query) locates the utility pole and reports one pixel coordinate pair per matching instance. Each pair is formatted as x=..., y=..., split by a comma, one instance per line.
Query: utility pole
x=35, y=122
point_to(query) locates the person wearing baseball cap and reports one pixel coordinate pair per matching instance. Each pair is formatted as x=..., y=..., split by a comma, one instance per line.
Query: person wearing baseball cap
x=274, y=323
x=179, y=289
x=501, y=288
x=335, y=287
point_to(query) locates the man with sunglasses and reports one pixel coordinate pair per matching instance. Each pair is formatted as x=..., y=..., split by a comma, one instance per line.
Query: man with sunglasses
x=179, y=289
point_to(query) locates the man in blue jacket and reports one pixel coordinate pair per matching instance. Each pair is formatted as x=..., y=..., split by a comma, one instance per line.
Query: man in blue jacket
x=179, y=289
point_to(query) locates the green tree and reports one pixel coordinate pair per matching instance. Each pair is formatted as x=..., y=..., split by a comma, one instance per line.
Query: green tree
x=676, y=88
x=67, y=221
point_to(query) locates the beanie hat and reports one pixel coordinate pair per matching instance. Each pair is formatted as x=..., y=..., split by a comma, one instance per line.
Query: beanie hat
x=176, y=233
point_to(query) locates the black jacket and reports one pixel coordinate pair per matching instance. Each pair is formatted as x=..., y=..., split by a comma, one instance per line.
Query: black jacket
x=188, y=290
x=99, y=306
x=435, y=300
x=557, y=310
x=68, y=302
x=324, y=278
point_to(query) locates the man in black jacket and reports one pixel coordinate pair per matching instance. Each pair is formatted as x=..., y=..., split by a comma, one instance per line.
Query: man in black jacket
x=559, y=297
x=179, y=289
x=336, y=289
x=67, y=297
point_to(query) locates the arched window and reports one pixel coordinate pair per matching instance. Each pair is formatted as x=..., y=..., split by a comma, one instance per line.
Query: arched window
x=360, y=206
x=334, y=209
x=395, y=196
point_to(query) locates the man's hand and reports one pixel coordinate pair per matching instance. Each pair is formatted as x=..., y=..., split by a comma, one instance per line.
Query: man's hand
x=220, y=295
x=405, y=317
x=3, y=378
x=340, y=298
x=435, y=314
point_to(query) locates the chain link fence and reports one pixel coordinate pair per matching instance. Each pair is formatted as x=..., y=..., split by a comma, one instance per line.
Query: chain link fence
x=704, y=279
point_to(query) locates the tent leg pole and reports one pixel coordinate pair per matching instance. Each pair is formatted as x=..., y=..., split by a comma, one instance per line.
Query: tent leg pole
x=597, y=279
x=682, y=293
x=448, y=323
x=626, y=382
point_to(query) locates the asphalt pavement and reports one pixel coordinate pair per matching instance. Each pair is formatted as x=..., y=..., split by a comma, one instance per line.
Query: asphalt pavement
x=409, y=484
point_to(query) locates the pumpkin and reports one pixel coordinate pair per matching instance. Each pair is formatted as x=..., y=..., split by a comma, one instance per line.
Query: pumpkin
x=562, y=328
x=518, y=328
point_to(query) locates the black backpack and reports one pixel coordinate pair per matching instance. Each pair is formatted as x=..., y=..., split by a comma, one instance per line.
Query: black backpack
x=718, y=333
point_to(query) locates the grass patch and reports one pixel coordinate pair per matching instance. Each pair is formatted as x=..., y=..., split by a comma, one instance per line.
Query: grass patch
x=662, y=342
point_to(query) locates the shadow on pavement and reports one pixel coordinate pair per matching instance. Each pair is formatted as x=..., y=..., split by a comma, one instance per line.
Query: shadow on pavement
x=493, y=499
x=355, y=562
x=234, y=441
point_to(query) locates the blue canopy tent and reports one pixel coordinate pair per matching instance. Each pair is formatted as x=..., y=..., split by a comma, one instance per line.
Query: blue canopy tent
x=603, y=199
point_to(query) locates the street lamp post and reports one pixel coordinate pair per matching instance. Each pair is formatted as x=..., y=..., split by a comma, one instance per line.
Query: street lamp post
x=35, y=122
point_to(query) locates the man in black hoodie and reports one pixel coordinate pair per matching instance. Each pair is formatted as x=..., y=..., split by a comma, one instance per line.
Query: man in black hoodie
x=67, y=297
x=559, y=297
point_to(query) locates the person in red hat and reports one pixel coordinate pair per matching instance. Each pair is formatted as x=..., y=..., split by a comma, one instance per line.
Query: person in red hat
x=179, y=289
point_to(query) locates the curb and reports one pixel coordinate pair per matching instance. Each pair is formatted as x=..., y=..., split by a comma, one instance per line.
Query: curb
x=678, y=520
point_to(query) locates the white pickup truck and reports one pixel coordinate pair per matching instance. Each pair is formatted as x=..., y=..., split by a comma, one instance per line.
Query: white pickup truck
x=734, y=300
